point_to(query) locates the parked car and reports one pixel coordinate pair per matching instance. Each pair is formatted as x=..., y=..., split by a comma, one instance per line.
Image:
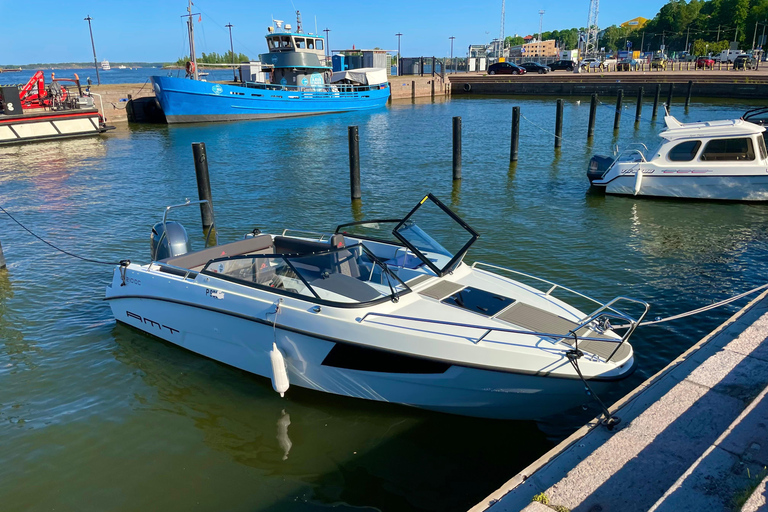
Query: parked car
x=609, y=62
x=505, y=68
x=745, y=62
x=627, y=64
x=589, y=62
x=659, y=63
x=567, y=65
x=705, y=62
x=535, y=67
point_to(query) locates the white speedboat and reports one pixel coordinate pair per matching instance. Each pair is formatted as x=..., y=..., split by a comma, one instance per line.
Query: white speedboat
x=724, y=160
x=381, y=310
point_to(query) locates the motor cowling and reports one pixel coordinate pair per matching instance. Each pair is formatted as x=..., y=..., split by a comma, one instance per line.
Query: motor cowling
x=168, y=240
x=598, y=166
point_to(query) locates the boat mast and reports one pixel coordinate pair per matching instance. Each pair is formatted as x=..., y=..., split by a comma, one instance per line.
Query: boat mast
x=191, y=30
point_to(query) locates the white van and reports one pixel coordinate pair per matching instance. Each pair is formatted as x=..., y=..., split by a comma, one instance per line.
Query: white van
x=728, y=55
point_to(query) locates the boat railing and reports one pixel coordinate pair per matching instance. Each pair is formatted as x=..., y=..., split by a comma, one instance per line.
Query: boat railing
x=318, y=88
x=601, y=307
x=634, y=152
x=556, y=337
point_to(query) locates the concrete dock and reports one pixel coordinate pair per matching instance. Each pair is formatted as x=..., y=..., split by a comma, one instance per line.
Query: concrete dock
x=694, y=437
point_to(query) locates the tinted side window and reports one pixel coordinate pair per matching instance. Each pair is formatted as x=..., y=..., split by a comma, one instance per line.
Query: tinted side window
x=685, y=151
x=728, y=149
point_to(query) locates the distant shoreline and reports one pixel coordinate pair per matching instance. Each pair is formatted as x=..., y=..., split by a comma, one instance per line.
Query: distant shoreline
x=81, y=65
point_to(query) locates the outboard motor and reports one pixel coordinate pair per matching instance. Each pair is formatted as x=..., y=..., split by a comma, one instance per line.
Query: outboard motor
x=598, y=165
x=168, y=244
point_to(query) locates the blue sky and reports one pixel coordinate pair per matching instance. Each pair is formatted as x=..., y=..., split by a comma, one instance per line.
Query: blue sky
x=142, y=30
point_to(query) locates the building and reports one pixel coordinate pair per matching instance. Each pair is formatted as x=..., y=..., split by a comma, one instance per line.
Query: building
x=540, y=49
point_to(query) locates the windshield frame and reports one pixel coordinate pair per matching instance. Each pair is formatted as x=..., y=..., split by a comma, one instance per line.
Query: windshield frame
x=458, y=257
x=340, y=230
x=289, y=258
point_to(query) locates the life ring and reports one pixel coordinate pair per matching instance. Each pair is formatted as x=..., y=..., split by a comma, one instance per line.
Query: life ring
x=190, y=67
x=467, y=87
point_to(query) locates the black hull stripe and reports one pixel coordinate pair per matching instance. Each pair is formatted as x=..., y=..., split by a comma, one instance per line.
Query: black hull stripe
x=347, y=342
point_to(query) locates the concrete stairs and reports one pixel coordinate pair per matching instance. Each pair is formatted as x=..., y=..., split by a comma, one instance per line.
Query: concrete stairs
x=692, y=438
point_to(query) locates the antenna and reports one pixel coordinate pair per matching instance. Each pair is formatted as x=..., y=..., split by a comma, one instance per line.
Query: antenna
x=298, y=22
x=540, y=47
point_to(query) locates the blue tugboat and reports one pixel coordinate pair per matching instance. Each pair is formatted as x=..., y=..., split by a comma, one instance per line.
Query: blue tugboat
x=292, y=80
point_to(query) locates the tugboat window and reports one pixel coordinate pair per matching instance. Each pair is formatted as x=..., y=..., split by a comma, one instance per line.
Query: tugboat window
x=318, y=44
x=761, y=145
x=728, y=149
x=311, y=44
x=299, y=42
x=685, y=151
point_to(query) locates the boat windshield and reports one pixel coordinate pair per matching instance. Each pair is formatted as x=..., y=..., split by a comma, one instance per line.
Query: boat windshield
x=346, y=275
x=439, y=237
x=378, y=230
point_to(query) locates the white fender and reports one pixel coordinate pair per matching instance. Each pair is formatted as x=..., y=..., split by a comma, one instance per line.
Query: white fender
x=280, y=381
x=638, y=180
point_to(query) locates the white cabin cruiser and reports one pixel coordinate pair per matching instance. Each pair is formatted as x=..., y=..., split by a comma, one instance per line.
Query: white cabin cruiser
x=383, y=311
x=723, y=160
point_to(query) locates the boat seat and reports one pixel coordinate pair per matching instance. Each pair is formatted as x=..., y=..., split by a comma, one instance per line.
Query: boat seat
x=261, y=244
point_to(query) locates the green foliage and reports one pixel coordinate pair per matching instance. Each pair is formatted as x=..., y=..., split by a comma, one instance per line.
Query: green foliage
x=701, y=47
x=541, y=498
x=215, y=58
x=513, y=41
x=561, y=508
x=741, y=497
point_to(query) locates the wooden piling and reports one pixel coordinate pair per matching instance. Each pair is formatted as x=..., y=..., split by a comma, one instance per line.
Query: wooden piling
x=559, y=124
x=413, y=89
x=433, y=87
x=592, y=113
x=456, y=148
x=669, y=98
x=203, y=185
x=688, y=94
x=639, y=108
x=2, y=257
x=354, y=162
x=617, y=117
x=514, y=144
x=656, y=101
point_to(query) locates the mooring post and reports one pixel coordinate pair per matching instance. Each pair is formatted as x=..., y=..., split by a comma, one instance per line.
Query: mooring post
x=457, y=148
x=514, y=144
x=688, y=95
x=203, y=185
x=592, y=113
x=2, y=257
x=433, y=69
x=669, y=97
x=656, y=101
x=354, y=162
x=617, y=117
x=639, y=109
x=433, y=87
x=559, y=124
x=413, y=89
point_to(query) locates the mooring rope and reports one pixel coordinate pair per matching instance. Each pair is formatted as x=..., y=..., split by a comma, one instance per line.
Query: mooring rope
x=551, y=133
x=89, y=260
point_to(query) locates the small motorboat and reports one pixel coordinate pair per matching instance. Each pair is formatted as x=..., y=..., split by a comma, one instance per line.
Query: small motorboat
x=722, y=160
x=383, y=310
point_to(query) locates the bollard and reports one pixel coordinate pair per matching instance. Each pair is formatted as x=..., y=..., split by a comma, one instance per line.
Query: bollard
x=592, y=112
x=688, y=95
x=559, y=124
x=2, y=257
x=656, y=101
x=669, y=97
x=433, y=88
x=639, y=109
x=617, y=117
x=203, y=185
x=457, y=148
x=514, y=145
x=354, y=162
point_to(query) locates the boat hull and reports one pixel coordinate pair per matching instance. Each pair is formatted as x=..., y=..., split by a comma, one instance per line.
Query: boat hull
x=244, y=342
x=191, y=101
x=43, y=126
x=722, y=187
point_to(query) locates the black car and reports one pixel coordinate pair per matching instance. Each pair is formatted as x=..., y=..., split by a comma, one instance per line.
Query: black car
x=567, y=65
x=505, y=68
x=535, y=67
x=744, y=62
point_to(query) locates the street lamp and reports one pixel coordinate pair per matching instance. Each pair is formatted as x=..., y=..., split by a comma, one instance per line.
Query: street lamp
x=95, y=62
x=453, y=64
x=231, y=49
x=398, y=54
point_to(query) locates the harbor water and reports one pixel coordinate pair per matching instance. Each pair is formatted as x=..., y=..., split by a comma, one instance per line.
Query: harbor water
x=96, y=416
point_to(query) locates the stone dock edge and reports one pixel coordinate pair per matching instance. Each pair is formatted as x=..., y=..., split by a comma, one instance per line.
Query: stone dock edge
x=735, y=322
